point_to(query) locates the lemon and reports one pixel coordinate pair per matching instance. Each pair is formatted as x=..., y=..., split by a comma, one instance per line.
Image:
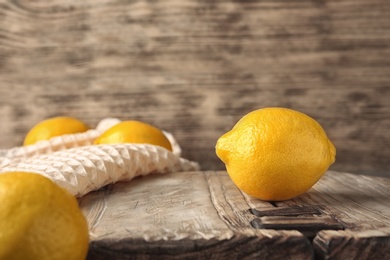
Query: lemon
x=52, y=127
x=39, y=220
x=276, y=153
x=134, y=132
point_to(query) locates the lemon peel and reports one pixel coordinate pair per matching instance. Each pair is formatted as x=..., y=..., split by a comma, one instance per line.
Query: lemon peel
x=276, y=153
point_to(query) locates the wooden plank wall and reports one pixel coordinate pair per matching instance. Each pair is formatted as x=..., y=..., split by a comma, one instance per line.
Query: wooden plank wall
x=195, y=67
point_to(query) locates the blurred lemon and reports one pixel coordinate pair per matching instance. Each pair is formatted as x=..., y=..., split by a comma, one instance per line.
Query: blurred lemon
x=276, y=153
x=39, y=220
x=52, y=127
x=134, y=132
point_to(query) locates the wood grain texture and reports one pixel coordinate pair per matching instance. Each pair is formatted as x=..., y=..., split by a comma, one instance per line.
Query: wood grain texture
x=357, y=202
x=182, y=216
x=195, y=67
x=198, y=215
x=368, y=244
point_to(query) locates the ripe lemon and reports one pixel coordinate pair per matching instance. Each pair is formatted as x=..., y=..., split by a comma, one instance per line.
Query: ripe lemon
x=276, y=153
x=39, y=220
x=52, y=127
x=134, y=132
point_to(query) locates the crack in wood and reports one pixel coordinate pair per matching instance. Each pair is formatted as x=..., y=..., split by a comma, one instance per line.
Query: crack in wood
x=308, y=220
x=309, y=226
x=286, y=211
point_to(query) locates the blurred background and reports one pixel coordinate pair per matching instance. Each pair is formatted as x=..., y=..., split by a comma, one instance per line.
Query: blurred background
x=194, y=68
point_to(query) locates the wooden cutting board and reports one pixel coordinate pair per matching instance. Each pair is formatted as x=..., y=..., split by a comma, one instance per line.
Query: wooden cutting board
x=203, y=215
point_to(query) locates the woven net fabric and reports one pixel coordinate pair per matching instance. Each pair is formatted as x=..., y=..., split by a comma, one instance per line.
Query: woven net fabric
x=74, y=163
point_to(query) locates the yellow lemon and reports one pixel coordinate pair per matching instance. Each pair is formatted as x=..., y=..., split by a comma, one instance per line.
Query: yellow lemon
x=276, y=153
x=134, y=132
x=52, y=127
x=39, y=220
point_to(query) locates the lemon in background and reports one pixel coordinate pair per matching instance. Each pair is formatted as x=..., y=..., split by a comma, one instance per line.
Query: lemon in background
x=134, y=132
x=276, y=153
x=52, y=127
x=39, y=220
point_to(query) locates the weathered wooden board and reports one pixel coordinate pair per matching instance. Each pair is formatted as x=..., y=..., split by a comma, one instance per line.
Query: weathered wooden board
x=371, y=244
x=178, y=216
x=195, y=67
x=203, y=215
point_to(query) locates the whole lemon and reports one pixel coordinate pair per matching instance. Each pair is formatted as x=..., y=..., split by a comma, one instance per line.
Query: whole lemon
x=39, y=220
x=54, y=126
x=276, y=153
x=134, y=132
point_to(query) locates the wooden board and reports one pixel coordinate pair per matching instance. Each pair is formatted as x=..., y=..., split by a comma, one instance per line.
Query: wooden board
x=195, y=67
x=203, y=215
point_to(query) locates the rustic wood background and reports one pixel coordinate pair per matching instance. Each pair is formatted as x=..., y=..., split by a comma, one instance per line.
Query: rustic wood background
x=203, y=215
x=195, y=67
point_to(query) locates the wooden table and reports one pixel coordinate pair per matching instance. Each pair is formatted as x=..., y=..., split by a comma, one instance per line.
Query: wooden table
x=203, y=215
